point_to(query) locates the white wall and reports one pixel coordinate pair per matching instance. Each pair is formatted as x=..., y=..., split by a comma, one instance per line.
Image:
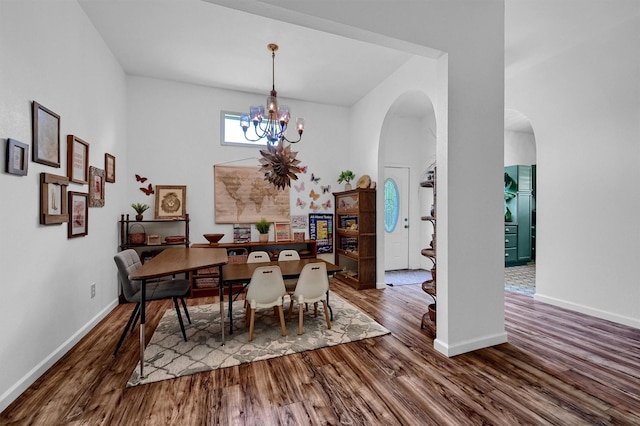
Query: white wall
x=519, y=148
x=50, y=53
x=175, y=134
x=584, y=107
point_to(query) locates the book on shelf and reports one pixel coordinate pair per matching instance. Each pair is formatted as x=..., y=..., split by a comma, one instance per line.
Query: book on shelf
x=241, y=233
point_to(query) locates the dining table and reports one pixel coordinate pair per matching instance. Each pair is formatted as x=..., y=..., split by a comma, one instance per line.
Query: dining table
x=240, y=273
x=174, y=261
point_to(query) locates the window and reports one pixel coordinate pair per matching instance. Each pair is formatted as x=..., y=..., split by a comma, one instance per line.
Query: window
x=232, y=133
x=391, y=205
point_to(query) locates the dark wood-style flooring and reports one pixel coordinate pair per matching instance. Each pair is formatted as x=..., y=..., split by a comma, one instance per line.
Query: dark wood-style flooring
x=559, y=368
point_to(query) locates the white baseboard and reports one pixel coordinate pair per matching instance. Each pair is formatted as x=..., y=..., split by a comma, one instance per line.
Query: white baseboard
x=469, y=345
x=28, y=379
x=631, y=322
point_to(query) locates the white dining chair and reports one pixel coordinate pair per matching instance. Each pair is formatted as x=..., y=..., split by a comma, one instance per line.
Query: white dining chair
x=266, y=290
x=284, y=255
x=258, y=257
x=312, y=287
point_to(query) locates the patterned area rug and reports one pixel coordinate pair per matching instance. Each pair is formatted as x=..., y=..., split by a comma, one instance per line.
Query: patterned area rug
x=521, y=279
x=168, y=356
x=406, y=277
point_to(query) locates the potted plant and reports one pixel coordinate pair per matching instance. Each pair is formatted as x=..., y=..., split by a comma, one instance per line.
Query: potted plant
x=346, y=176
x=263, y=228
x=140, y=208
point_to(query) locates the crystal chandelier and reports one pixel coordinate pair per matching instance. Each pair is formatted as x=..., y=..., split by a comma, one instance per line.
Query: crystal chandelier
x=278, y=163
x=274, y=124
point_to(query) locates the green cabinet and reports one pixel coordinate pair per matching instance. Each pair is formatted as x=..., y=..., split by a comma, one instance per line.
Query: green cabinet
x=518, y=224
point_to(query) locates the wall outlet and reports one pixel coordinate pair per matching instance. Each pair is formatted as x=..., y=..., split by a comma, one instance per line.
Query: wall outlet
x=93, y=290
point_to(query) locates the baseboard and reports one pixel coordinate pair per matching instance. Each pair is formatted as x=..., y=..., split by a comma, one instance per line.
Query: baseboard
x=28, y=379
x=609, y=316
x=469, y=345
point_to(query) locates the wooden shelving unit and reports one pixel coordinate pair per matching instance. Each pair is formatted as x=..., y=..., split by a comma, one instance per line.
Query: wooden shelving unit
x=127, y=224
x=355, y=248
x=429, y=318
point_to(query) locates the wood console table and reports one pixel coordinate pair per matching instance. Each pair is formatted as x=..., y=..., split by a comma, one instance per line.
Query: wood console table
x=205, y=282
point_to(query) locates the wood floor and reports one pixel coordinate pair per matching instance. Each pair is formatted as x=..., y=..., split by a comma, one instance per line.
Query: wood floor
x=558, y=368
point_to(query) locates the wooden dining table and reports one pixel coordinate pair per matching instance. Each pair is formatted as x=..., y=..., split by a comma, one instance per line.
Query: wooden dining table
x=234, y=273
x=174, y=261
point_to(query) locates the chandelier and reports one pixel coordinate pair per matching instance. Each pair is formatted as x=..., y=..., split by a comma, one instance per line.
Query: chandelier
x=273, y=124
x=278, y=163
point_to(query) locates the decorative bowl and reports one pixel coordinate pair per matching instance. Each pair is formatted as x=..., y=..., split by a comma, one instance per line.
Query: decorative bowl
x=213, y=238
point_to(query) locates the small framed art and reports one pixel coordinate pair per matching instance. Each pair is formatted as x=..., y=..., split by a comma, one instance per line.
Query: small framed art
x=78, y=225
x=96, y=187
x=109, y=168
x=53, y=199
x=171, y=201
x=46, y=136
x=282, y=231
x=17, y=157
x=77, y=159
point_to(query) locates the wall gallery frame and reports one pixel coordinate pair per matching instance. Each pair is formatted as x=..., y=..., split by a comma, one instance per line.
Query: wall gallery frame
x=46, y=136
x=77, y=159
x=171, y=201
x=17, y=157
x=78, y=225
x=109, y=168
x=96, y=187
x=53, y=199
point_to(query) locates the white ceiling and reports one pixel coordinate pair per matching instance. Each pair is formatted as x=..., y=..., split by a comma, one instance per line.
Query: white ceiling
x=198, y=42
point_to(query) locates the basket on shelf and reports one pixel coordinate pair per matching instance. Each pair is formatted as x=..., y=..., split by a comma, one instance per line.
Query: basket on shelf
x=137, y=237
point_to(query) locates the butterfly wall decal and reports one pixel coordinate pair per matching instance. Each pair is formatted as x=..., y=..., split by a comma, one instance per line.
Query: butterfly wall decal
x=141, y=179
x=148, y=190
x=303, y=169
x=299, y=188
x=313, y=206
x=301, y=204
x=325, y=189
x=314, y=179
x=326, y=205
x=313, y=195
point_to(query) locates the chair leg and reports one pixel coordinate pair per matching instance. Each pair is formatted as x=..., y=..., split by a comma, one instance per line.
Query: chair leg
x=326, y=314
x=315, y=309
x=137, y=318
x=252, y=317
x=290, y=310
x=282, y=324
x=126, y=327
x=175, y=303
x=184, y=306
x=300, y=318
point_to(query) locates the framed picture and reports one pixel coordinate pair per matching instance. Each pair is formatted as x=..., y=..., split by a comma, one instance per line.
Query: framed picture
x=96, y=187
x=154, y=240
x=171, y=201
x=78, y=225
x=46, y=136
x=282, y=231
x=109, y=168
x=17, y=157
x=53, y=199
x=77, y=160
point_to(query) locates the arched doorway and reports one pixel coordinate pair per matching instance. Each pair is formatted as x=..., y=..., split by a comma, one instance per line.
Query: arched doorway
x=407, y=146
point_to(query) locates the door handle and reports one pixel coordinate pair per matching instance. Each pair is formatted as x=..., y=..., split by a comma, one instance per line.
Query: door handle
x=406, y=226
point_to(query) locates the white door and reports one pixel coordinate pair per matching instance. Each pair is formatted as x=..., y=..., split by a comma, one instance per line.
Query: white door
x=396, y=210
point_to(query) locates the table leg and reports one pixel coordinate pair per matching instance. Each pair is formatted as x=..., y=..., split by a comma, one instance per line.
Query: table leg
x=230, y=308
x=143, y=303
x=329, y=306
x=221, y=293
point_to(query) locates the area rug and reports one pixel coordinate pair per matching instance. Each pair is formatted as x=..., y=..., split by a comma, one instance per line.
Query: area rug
x=406, y=277
x=521, y=279
x=168, y=356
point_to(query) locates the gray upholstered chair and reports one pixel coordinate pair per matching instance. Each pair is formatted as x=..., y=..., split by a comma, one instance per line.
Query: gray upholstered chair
x=128, y=261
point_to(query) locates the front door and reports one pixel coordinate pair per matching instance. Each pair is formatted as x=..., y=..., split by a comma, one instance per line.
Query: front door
x=396, y=219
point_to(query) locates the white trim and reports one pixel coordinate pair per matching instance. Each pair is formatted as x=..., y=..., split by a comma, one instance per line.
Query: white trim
x=470, y=345
x=28, y=379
